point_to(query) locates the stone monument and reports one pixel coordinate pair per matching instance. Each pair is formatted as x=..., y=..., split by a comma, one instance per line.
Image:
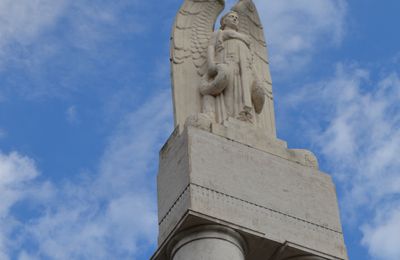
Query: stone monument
x=228, y=188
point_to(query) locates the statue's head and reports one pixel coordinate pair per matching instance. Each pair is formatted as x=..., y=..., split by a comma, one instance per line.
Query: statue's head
x=230, y=20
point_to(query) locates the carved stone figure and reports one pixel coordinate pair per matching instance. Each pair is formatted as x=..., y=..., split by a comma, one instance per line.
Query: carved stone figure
x=230, y=84
x=228, y=188
x=221, y=74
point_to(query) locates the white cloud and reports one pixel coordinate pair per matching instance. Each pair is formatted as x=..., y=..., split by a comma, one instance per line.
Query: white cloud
x=35, y=34
x=23, y=21
x=90, y=23
x=382, y=238
x=296, y=29
x=112, y=214
x=16, y=174
x=360, y=138
x=129, y=147
x=364, y=134
x=83, y=226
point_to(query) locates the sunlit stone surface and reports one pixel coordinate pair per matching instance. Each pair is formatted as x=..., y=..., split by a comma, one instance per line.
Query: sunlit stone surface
x=228, y=188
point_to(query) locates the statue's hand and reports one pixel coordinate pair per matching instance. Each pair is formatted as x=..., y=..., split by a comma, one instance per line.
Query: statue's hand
x=246, y=39
x=219, y=46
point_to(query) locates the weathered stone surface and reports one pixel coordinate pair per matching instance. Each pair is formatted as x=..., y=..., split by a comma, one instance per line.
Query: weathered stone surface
x=208, y=242
x=257, y=192
x=225, y=181
x=249, y=135
x=222, y=73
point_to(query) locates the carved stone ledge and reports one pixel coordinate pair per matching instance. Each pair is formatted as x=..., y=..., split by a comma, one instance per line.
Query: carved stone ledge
x=218, y=180
x=249, y=135
x=216, y=200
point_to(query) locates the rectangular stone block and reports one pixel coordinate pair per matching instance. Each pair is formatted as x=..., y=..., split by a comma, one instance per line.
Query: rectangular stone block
x=252, y=190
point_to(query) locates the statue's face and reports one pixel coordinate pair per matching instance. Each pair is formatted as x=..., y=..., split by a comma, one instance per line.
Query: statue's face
x=231, y=20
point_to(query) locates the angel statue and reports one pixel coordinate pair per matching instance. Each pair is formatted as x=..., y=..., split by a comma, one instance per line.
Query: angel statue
x=221, y=74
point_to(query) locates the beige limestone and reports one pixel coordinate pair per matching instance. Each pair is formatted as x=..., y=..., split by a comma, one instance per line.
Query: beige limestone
x=222, y=73
x=208, y=242
x=228, y=188
x=259, y=193
x=249, y=135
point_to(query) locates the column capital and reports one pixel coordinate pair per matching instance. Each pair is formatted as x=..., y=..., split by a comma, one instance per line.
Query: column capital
x=207, y=233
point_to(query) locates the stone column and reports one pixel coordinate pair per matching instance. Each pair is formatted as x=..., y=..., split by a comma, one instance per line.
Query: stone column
x=208, y=242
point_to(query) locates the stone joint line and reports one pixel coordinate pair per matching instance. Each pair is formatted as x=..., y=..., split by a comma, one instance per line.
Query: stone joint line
x=272, y=210
x=246, y=202
x=175, y=203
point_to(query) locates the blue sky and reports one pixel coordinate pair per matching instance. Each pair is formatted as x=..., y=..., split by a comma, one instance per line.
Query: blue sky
x=85, y=105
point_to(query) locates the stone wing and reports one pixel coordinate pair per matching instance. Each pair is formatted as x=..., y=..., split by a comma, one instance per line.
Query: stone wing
x=192, y=30
x=250, y=24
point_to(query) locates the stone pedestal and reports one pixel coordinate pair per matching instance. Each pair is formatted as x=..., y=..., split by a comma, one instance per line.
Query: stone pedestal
x=273, y=199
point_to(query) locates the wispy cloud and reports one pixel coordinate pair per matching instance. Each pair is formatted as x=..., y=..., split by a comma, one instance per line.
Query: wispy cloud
x=15, y=171
x=16, y=175
x=360, y=138
x=382, y=236
x=72, y=115
x=92, y=22
x=111, y=214
x=23, y=21
x=297, y=29
x=51, y=44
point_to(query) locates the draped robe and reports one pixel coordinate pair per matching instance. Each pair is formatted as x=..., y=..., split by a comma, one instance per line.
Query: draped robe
x=235, y=101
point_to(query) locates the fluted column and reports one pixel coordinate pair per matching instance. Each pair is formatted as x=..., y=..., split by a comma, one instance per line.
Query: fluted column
x=208, y=242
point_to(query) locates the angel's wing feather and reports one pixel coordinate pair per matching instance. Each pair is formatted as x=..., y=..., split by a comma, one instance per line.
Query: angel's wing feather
x=193, y=27
x=250, y=24
x=191, y=34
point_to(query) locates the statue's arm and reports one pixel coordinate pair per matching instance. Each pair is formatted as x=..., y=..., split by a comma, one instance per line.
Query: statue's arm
x=239, y=36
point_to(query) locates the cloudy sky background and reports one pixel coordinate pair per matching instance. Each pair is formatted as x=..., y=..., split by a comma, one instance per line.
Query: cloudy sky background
x=85, y=105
